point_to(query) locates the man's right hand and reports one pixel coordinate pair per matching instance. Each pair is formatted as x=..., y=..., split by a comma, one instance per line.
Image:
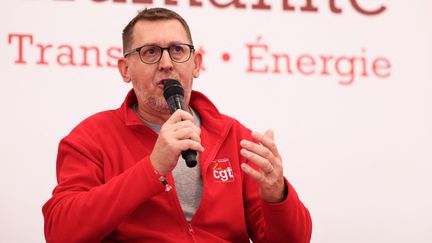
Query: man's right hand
x=177, y=134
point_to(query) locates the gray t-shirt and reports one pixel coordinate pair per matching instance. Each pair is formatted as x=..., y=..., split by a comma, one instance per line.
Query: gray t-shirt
x=188, y=181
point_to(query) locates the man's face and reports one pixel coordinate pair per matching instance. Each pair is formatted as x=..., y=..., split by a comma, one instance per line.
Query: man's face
x=147, y=78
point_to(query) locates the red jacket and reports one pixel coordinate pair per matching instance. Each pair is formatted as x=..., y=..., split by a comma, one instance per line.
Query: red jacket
x=107, y=190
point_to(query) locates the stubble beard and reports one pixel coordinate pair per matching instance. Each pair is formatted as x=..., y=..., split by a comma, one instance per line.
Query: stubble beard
x=157, y=104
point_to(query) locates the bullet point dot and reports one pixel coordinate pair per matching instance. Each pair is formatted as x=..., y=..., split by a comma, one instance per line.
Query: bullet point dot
x=226, y=57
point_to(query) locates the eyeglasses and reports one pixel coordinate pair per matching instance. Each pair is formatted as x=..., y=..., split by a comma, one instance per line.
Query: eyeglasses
x=151, y=54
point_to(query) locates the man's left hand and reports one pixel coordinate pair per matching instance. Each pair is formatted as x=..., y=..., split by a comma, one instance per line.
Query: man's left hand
x=266, y=156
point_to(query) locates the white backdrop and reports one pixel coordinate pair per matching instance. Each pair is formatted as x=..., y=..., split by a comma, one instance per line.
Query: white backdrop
x=352, y=109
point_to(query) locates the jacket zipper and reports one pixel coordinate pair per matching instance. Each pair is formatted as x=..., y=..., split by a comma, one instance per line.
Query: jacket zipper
x=191, y=231
x=180, y=212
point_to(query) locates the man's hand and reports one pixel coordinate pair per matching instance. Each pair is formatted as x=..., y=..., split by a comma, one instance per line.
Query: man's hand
x=266, y=156
x=177, y=134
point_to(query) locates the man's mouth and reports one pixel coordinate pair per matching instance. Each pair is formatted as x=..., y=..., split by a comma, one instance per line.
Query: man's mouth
x=160, y=83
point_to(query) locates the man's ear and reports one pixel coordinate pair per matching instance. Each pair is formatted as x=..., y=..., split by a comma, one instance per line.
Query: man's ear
x=123, y=67
x=198, y=62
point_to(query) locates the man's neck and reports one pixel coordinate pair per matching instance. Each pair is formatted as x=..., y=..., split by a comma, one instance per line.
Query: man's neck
x=157, y=118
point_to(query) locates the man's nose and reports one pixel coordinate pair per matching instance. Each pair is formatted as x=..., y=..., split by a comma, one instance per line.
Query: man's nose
x=165, y=62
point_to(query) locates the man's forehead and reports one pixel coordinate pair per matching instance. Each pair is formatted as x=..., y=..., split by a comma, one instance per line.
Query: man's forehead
x=159, y=32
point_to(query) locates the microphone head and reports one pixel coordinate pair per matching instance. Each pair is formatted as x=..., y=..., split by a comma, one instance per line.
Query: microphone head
x=172, y=87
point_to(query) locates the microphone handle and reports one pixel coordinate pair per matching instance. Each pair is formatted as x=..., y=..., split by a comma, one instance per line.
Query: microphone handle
x=176, y=102
x=190, y=156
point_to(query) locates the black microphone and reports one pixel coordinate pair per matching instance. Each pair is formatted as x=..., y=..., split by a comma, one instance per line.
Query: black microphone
x=174, y=96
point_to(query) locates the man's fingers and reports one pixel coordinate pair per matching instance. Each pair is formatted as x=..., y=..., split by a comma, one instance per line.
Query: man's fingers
x=187, y=133
x=181, y=125
x=178, y=116
x=258, y=160
x=267, y=140
x=188, y=125
x=257, y=149
x=265, y=165
x=181, y=134
x=190, y=144
x=257, y=176
x=269, y=133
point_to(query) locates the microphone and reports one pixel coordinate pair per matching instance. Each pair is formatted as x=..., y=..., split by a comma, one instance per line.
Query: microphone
x=174, y=96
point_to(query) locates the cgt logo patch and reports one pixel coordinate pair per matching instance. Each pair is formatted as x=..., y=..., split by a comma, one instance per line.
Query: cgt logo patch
x=222, y=170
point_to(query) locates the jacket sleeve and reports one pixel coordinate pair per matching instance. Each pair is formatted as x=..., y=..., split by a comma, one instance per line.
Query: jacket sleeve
x=288, y=221
x=85, y=208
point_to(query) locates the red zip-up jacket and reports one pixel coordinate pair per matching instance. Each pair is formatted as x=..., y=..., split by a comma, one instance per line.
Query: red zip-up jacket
x=108, y=191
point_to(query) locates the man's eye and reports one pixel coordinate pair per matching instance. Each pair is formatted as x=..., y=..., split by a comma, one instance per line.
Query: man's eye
x=150, y=51
x=177, y=49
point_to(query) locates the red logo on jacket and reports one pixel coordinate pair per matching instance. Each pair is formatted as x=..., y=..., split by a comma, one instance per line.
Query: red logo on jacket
x=222, y=170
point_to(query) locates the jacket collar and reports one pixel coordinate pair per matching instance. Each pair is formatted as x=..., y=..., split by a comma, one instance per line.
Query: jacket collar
x=126, y=110
x=210, y=116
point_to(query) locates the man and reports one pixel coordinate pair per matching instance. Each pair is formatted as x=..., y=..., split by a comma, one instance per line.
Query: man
x=121, y=177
